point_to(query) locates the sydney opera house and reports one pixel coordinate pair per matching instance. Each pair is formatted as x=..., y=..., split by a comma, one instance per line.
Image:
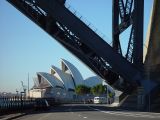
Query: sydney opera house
x=61, y=83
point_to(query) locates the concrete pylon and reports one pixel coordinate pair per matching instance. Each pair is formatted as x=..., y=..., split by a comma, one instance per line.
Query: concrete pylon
x=152, y=57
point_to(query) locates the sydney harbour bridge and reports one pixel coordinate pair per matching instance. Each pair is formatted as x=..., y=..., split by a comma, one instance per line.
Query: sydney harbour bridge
x=135, y=73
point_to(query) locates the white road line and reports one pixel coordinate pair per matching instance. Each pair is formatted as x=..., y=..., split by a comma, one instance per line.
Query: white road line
x=85, y=117
x=44, y=116
x=128, y=114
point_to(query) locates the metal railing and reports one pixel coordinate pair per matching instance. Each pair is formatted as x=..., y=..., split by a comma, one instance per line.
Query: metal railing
x=89, y=24
x=15, y=103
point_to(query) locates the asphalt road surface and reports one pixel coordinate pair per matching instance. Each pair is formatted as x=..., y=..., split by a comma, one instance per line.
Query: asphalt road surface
x=88, y=112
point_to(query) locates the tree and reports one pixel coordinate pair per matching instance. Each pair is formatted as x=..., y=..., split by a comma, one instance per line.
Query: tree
x=82, y=89
x=98, y=89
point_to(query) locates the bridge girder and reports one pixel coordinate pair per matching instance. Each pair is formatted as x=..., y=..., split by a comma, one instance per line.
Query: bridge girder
x=125, y=14
x=54, y=18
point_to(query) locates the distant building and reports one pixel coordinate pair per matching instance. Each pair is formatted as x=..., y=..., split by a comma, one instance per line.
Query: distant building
x=61, y=83
x=46, y=86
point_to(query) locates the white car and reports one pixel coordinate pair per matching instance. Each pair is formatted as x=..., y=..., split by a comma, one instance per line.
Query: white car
x=100, y=100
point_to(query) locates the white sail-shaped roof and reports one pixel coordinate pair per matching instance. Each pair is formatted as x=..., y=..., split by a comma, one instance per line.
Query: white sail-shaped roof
x=65, y=78
x=92, y=81
x=95, y=80
x=50, y=79
x=76, y=75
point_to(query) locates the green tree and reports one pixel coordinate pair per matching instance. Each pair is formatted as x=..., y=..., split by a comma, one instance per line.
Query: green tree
x=82, y=89
x=98, y=89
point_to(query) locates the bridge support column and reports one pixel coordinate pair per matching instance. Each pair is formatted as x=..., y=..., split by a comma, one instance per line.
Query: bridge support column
x=140, y=98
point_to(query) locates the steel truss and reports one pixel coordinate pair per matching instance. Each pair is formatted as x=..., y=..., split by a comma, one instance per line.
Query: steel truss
x=55, y=19
x=125, y=14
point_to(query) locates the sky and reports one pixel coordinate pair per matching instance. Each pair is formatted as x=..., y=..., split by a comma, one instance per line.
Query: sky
x=26, y=48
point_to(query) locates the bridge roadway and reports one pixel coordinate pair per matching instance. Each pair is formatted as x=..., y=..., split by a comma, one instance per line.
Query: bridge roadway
x=88, y=112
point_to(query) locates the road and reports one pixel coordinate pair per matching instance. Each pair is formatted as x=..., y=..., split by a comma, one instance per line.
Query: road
x=88, y=112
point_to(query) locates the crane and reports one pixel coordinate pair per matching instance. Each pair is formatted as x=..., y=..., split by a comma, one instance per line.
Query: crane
x=24, y=88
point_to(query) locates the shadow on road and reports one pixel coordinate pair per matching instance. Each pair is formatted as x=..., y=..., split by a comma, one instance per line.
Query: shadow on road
x=75, y=108
x=72, y=108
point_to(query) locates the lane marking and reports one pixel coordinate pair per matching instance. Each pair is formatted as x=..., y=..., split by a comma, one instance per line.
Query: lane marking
x=126, y=114
x=44, y=116
x=85, y=117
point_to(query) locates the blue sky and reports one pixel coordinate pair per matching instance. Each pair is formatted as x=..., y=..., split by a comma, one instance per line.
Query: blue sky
x=26, y=48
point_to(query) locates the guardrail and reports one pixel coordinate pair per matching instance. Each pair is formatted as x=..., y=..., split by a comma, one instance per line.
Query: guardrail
x=19, y=103
x=89, y=24
x=15, y=103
